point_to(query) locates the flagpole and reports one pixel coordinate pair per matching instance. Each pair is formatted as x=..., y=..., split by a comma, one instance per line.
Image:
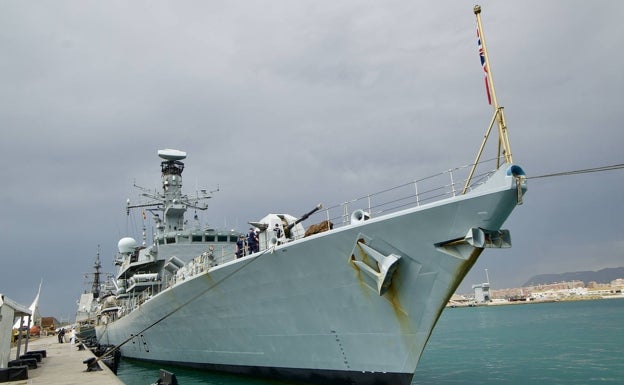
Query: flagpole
x=498, y=111
x=499, y=115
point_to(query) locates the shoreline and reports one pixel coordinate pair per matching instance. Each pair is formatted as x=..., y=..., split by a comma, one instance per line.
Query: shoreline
x=500, y=302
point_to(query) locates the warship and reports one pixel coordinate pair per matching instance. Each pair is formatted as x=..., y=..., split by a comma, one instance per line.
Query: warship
x=352, y=299
x=86, y=315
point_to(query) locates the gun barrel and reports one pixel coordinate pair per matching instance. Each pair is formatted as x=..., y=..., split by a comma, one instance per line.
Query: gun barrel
x=305, y=216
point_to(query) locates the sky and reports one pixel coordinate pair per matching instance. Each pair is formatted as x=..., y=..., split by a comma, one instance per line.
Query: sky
x=283, y=104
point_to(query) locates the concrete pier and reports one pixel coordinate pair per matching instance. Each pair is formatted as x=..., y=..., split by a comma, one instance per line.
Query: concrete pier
x=63, y=365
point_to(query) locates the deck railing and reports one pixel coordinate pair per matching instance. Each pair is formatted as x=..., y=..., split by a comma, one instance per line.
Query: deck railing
x=433, y=188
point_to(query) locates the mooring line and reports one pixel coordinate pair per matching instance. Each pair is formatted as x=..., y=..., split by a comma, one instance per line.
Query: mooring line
x=582, y=171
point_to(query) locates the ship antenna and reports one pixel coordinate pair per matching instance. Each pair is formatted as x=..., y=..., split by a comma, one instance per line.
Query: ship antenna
x=504, y=145
x=95, y=288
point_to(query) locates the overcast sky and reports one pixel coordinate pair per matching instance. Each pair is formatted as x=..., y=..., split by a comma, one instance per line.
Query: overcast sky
x=284, y=104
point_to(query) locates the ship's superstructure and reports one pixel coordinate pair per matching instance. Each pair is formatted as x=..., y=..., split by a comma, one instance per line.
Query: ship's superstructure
x=144, y=271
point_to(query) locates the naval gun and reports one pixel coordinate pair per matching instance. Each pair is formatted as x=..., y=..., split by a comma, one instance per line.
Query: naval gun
x=303, y=218
x=289, y=226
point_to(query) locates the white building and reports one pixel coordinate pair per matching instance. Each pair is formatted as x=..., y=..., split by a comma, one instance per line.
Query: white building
x=9, y=312
x=482, y=292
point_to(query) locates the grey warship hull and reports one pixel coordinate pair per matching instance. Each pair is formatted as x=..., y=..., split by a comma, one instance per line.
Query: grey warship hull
x=356, y=304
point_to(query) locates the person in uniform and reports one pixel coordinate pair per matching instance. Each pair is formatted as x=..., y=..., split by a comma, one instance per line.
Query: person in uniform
x=252, y=241
x=278, y=232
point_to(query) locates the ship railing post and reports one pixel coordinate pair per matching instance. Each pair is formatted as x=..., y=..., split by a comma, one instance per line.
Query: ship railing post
x=416, y=191
x=450, y=171
x=369, y=205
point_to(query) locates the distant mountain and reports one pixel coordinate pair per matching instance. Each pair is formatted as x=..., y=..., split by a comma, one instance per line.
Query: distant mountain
x=601, y=276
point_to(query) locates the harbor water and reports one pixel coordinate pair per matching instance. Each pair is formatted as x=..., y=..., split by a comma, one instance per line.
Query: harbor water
x=579, y=342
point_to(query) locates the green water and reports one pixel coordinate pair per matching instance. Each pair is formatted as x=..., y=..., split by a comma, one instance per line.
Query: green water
x=551, y=343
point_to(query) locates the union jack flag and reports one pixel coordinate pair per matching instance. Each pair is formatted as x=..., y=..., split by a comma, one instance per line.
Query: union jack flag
x=484, y=65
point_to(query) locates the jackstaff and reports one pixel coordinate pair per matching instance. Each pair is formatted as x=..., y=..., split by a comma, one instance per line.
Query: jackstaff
x=498, y=110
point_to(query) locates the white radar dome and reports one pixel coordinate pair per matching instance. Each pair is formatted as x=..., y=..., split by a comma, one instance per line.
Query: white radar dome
x=126, y=245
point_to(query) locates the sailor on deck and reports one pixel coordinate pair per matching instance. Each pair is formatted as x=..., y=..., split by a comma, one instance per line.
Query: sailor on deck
x=252, y=241
x=240, y=246
x=278, y=233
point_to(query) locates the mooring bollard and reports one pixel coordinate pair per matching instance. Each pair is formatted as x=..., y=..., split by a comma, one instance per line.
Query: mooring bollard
x=92, y=364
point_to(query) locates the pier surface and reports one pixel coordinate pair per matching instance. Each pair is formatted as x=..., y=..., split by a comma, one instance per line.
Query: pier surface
x=63, y=365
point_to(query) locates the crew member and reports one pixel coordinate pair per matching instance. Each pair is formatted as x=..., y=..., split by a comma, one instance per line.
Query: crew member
x=252, y=241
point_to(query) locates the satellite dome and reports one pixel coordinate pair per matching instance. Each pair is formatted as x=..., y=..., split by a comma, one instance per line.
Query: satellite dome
x=126, y=245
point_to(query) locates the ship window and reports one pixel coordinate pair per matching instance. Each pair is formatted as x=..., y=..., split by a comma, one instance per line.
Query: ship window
x=196, y=238
x=170, y=240
x=222, y=238
x=233, y=238
x=210, y=238
x=161, y=241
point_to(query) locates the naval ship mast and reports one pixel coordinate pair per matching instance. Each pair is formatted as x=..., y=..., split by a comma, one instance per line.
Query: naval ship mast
x=171, y=202
x=95, y=287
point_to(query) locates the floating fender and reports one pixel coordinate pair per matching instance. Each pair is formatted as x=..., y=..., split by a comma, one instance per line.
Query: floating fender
x=359, y=216
x=273, y=241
